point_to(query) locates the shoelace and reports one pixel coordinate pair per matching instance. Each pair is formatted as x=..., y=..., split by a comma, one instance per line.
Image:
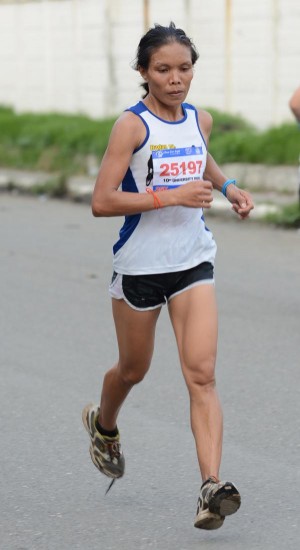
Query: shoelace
x=114, y=452
x=113, y=449
x=110, y=485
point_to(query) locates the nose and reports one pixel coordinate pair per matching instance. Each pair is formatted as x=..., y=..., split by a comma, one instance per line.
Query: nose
x=175, y=77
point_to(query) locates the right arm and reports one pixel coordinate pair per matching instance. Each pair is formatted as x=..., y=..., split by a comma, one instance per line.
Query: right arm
x=294, y=104
x=127, y=134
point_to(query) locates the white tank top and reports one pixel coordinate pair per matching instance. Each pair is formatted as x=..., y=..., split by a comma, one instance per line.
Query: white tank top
x=174, y=238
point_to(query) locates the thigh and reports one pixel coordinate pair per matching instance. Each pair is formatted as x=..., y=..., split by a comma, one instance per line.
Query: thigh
x=141, y=292
x=135, y=334
x=194, y=318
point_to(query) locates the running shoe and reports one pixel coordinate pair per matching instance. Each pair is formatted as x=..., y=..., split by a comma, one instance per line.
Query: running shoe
x=105, y=451
x=217, y=499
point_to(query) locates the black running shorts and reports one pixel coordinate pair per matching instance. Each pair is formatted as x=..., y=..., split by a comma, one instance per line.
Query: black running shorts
x=143, y=292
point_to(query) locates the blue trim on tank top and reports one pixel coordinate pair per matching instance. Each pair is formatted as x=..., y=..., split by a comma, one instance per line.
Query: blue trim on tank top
x=189, y=106
x=205, y=226
x=132, y=220
x=145, y=108
x=137, y=110
x=140, y=107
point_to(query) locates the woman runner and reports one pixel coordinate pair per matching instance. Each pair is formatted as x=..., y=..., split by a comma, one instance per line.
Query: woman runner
x=157, y=153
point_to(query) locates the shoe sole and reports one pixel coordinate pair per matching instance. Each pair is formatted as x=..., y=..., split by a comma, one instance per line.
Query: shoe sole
x=100, y=466
x=226, y=502
x=209, y=521
x=85, y=413
x=96, y=461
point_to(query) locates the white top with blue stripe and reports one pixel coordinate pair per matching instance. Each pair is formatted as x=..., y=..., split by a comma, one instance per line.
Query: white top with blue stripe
x=174, y=238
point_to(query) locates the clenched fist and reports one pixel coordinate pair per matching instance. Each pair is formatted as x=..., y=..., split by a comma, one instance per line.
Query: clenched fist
x=195, y=194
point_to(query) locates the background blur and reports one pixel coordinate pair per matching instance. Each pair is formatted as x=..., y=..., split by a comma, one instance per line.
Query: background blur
x=75, y=55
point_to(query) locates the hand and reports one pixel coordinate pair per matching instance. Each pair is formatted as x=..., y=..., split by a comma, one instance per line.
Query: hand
x=241, y=201
x=195, y=194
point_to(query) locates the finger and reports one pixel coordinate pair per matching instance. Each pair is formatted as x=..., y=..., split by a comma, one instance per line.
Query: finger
x=243, y=213
x=206, y=203
x=206, y=200
x=208, y=185
x=245, y=205
x=246, y=208
x=205, y=184
x=245, y=201
x=206, y=196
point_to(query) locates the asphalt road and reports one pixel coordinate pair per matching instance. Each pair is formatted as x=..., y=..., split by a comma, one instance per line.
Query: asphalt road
x=57, y=340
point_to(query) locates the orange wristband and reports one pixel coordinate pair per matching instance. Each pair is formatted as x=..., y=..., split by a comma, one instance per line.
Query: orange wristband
x=157, y=202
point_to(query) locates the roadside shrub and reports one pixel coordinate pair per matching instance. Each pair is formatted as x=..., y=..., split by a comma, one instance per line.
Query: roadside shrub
x=51, y=142
x=287, y=217
x=55, y=142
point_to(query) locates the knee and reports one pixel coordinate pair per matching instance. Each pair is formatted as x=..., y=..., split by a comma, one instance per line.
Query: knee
x=203, y=381
x=201, y=388
x=200, y=376
x=133, y=374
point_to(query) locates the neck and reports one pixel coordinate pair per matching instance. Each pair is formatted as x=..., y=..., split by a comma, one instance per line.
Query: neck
x=171, y=113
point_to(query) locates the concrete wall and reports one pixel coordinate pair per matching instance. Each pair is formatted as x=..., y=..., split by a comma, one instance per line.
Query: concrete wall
x=75, y=55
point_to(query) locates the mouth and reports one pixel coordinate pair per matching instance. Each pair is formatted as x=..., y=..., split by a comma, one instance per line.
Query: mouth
x=176, y=93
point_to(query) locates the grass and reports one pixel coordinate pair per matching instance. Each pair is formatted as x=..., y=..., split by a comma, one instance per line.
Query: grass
x=61, y=143
x=287, y=217
x=54, y=187
x=243, y=143
x=51, y=142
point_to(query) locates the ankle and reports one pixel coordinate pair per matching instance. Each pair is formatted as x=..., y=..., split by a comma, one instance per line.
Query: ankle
x=209, y=479
x=104, y=431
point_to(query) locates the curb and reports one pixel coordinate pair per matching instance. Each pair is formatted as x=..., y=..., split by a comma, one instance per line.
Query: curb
x=80, y=189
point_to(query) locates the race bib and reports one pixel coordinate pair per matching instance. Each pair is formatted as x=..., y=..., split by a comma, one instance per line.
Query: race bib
x=174, y=167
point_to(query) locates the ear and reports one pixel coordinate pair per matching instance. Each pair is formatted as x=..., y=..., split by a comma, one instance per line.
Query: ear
x=143, y=72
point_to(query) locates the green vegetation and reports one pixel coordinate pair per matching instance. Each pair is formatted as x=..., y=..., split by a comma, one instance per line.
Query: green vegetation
x=62, y=143
x=54, y=187
x=288, y=216
x=224, y=122
x=51, y=142
x=234, y=140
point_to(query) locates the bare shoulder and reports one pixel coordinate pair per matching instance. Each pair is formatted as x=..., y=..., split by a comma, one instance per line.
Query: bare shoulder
x=296, y=96
x=206, y=123
x=128, y=128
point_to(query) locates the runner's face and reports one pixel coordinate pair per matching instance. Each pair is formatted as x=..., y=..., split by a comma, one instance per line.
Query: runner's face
x=170, y=73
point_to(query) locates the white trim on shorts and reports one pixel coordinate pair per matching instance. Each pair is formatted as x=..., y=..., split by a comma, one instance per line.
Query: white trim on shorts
x=116, y=291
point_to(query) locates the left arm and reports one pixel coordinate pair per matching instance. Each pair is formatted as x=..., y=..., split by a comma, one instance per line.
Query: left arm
x=241, y=200
x=294, y=104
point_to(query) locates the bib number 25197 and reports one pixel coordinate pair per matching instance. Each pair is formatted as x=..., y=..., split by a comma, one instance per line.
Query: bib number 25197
x=174, y=167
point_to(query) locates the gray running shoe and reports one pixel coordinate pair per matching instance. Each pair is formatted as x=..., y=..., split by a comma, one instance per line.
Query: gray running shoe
x=217, y=499
x=105, y=451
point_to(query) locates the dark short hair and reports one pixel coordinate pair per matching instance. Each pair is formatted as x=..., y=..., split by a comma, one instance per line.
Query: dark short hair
x=155, y=38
